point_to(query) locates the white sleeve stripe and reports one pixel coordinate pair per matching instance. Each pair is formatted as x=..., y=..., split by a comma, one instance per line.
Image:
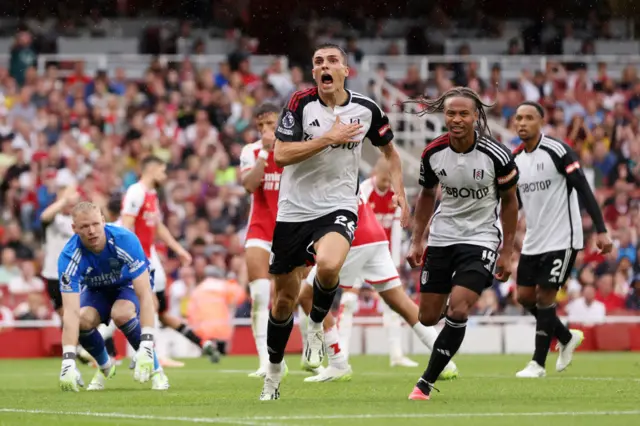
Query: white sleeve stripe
x=555, y=143
x=500, y=149
x=555, y=146
x=124, y=255
x=554, y=149
x=358, y=95
x=73, y=264
x=501, y=156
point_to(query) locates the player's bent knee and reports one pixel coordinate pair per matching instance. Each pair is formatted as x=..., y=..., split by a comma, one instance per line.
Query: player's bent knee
x=121, y=313
x=460, y=312
x=428, y=319
x=89, y=319
x=329, y=270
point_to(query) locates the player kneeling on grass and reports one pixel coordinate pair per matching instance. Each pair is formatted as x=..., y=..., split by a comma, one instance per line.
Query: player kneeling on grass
x=107, y=262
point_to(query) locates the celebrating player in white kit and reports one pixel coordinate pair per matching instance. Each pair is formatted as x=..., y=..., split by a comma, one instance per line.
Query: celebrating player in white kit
x=319, y=143
x=141, y=214
x=377, y=192
x=370, y=261
x=550, y=181
x=261, y=178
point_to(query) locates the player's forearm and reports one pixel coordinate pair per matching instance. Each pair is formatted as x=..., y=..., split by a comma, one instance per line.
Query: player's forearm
x=147, y=308
x=424, y=210
x=70, y=326
x=395, y=169
x=165, y=235
x=287, y=153
x=579, y=182
x=50, y=212
x=251, y=180
x=509, y=218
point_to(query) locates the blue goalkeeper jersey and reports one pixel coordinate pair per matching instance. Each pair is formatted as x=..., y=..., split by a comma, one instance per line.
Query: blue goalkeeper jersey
x=121, y=261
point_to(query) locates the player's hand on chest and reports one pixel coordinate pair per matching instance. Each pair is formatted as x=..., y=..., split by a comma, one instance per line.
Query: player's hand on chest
x=318, y=124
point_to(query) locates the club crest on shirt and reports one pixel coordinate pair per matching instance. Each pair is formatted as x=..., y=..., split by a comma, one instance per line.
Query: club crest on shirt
x=288, y=121
x=478, y=174
x=355, y=121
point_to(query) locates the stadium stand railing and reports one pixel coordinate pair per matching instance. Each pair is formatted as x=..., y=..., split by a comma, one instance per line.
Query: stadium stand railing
x=136, y=65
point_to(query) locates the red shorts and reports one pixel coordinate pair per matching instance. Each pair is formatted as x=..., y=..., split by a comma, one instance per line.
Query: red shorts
x=259, y=234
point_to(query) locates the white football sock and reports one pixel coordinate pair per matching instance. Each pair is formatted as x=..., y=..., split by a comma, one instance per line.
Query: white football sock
x=260, y=291
x=337, y=357
x=106, y=331
x=348, y=307
x=393, y=324
x=427, y=335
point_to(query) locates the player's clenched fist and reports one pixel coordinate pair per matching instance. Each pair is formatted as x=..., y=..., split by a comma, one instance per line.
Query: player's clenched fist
x=414, y=257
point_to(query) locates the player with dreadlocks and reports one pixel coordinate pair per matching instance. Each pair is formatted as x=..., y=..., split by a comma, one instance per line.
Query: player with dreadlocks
x=477, y=175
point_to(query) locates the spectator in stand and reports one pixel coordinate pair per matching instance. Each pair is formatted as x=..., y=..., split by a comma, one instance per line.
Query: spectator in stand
x=27, y=282
x=586, y=309
x=605, y=294
x=9, y=269
x=633, y=298
x=23, y=56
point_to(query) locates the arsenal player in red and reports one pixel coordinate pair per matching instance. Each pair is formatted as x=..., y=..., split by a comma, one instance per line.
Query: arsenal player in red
x=261, y=177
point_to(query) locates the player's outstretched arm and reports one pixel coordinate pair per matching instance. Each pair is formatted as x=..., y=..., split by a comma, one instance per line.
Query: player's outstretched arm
x=395, y=169
x=69, y=196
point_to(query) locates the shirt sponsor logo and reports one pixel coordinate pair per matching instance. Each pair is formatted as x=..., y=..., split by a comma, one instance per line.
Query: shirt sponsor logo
x=542, y=185
x=475, y=194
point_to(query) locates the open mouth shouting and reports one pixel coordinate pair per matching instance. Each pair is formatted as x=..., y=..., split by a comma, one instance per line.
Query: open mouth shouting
x=327, y=81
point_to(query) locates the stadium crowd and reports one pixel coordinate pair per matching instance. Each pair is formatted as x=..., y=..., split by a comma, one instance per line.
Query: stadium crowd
x=91, y=131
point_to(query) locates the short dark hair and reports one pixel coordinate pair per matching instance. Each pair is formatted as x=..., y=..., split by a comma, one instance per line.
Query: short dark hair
x=266, y=108
x=536, y=105
x=115, y=204
x=331, y=46
x=151, y=159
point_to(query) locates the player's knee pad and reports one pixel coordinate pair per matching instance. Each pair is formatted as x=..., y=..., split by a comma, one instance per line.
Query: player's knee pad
x=260, y=291
x=349, y=302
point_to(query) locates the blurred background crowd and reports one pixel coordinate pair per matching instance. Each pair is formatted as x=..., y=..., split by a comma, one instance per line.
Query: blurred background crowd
x=65, y=122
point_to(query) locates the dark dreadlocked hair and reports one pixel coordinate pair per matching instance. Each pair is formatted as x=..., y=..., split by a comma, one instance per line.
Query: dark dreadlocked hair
x=431, y=106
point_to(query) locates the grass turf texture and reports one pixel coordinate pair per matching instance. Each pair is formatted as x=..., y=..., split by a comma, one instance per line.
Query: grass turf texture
x=597, y=389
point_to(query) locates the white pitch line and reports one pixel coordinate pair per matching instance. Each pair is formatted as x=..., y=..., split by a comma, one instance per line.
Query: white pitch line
x=217, y=420
x=446, y=415
x=260, y=420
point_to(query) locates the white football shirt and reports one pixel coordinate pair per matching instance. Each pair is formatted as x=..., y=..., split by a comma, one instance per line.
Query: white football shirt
x=549, y=202
x=470, y=181
x=56, y=234
x=328, y=181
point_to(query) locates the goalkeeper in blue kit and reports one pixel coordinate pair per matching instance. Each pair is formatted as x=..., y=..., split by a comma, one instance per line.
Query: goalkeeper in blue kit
x=104, y=275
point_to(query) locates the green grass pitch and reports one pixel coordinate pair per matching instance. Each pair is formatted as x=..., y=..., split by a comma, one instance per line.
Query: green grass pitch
x=598, y=389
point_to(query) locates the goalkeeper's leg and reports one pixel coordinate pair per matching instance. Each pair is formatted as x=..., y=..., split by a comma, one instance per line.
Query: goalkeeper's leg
x=93, y=342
